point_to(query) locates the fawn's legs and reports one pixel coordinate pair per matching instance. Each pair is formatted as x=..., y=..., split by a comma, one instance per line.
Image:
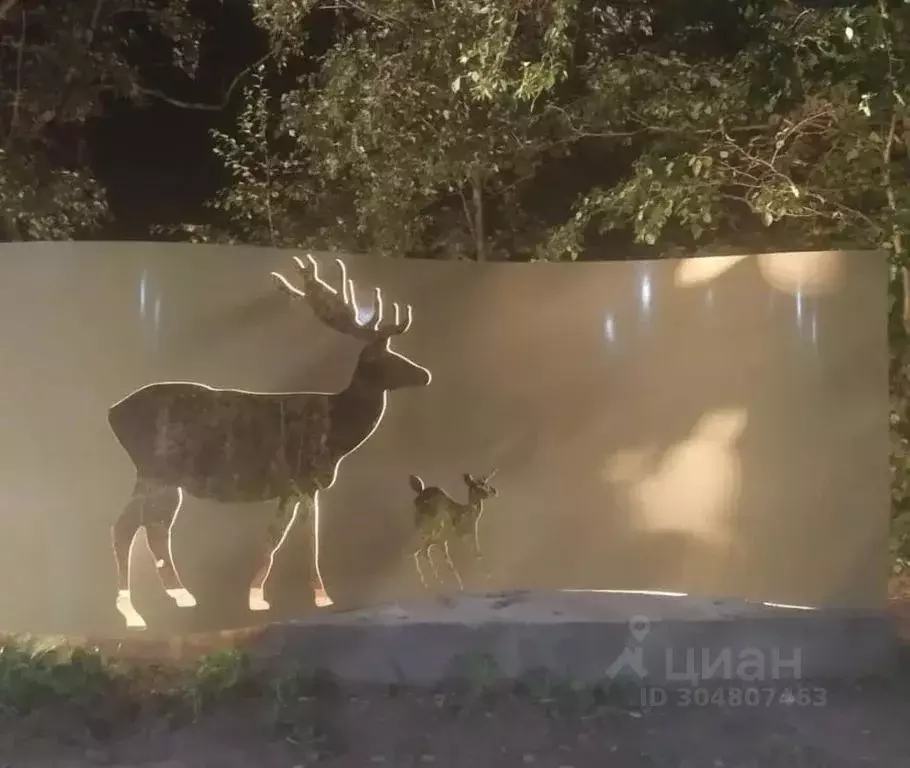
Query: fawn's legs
x=423, y=581
x=426, y=552
x=451, y=565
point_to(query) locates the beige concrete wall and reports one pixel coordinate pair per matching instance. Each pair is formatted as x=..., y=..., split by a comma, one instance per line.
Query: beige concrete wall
x=712, y=425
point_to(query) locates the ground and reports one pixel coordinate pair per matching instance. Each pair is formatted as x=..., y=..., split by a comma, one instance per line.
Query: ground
x=865, y=726
x=80, y=714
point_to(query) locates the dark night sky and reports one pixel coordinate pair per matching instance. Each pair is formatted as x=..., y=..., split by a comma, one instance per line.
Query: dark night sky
x=156, y=165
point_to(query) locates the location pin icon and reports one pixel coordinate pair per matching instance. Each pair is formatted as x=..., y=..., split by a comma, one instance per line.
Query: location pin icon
x=639, y=626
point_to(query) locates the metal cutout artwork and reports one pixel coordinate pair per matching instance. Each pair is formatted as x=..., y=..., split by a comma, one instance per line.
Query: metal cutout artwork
x=440, y=520
x=231, y=445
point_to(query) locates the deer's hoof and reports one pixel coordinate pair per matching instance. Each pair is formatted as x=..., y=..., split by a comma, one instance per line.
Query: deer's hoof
x=129, y=613
x=257, y=600
x=182, y=597
x=321, y=599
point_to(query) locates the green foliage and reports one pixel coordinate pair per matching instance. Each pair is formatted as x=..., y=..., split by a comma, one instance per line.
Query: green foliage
x=803, y=129
x=33, y=677
x=217, y=675
x=59, y=63
x=421, y=124
x=259, y=200
x=429, y=128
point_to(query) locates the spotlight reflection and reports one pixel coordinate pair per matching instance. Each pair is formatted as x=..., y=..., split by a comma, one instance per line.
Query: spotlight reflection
x=789, y=606
x=651, y=592
x=143, y=294
x=645, y=294
x=610, y=327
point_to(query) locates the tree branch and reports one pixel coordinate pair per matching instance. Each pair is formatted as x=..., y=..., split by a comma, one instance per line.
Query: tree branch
x=467, y=212
x=477, y=198
x=346, y=5
x=154, y=93
x=653, y=130
x=6, y=6
x=96, y=15
x=17, y=98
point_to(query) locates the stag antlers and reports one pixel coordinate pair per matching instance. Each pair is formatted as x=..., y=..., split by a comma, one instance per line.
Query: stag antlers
x=340, y=311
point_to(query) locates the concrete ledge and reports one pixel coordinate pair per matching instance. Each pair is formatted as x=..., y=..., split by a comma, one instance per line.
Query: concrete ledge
x=587, y=637
x=582, y=636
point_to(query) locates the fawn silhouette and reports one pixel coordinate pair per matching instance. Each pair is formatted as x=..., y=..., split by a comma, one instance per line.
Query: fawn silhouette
x=230, y=445
x=440, y=520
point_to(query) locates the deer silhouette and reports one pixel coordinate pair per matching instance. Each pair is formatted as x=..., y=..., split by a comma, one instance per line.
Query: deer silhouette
x=440, y=520
x=230, y=445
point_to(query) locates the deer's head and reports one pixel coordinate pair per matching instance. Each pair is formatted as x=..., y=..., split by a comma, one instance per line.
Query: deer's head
x=479, y=488
x=378, y=366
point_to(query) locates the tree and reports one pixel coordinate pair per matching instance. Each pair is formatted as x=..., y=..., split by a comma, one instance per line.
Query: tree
x=425, y=119
x=802, y=131
x=60, y=63
x=422, y=131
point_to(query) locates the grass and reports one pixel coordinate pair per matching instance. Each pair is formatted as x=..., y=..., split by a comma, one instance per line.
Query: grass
x=35, y=676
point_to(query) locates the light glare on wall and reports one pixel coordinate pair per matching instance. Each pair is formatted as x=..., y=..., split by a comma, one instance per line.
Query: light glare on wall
x=692, y=272
x=690, y=487
x=807, y=274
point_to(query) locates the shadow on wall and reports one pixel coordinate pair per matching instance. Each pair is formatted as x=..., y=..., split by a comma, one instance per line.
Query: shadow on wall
x=714, y=426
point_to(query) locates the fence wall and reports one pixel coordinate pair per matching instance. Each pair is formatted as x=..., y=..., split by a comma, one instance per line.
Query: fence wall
x=715, y=426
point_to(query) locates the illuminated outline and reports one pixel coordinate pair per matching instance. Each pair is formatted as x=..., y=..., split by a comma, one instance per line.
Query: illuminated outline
x=341, y=313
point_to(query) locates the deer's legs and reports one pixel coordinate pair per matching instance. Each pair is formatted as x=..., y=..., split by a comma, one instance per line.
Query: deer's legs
x=153, y=507
x=159, y=515
x=320, y=596
x=277, y=533
x=451, y=565
x=123, y=534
